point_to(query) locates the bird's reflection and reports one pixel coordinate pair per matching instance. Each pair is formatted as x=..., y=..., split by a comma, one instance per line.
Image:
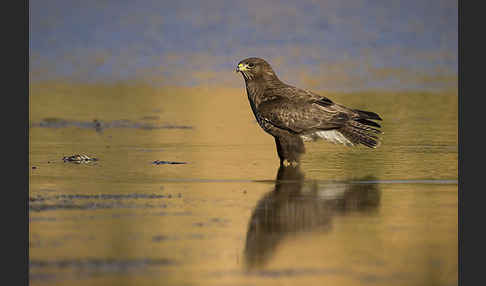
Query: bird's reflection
x=296, y=206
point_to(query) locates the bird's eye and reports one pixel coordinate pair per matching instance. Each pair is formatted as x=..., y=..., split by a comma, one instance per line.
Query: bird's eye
x=251, y=65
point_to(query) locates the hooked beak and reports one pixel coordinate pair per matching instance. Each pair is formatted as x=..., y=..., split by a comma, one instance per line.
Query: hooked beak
x=241, y=67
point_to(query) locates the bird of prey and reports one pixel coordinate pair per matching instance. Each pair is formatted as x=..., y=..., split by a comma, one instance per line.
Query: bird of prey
x=293, y=115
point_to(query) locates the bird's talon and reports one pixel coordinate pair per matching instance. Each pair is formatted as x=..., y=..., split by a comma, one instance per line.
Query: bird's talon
x=288, y=163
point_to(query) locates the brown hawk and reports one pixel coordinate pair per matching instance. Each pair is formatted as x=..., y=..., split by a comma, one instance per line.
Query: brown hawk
x=293, y=115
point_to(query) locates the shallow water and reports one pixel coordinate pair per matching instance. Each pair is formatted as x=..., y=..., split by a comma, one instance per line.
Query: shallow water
x=345, y=217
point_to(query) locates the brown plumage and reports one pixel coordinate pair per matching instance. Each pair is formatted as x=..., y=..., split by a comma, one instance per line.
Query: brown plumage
x=292, y=115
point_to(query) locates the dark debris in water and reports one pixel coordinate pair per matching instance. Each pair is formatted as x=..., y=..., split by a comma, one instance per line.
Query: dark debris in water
x=218, y=222
x=97, y=196
x=159, y=238
x=111, y=196
x=99, y=125
x=79, y=158
x=157, y=162
x=71, y=206
x=110, y=201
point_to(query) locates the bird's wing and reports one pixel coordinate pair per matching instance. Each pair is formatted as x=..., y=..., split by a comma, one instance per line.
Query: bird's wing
x=294, y=93
x=297, y=94
x=299, y=115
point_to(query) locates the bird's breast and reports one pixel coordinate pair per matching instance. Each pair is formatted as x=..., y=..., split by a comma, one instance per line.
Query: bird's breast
x=255, y=94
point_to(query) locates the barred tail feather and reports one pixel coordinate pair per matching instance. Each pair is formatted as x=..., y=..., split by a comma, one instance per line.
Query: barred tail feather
x=359, y=133
x=367, y=114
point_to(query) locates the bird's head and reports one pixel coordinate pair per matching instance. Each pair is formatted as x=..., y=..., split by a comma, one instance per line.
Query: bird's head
x=255, y=68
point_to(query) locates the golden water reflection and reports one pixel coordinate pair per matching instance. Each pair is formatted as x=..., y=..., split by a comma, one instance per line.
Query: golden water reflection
x=296, y=207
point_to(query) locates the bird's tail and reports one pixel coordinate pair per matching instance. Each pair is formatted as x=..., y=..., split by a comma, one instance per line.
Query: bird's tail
x=361, y=130
x=367, y=114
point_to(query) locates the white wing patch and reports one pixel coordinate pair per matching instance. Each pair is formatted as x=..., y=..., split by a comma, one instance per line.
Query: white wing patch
x=333, y=136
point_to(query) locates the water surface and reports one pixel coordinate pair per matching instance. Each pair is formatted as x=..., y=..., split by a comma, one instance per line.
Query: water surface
x=229, y=215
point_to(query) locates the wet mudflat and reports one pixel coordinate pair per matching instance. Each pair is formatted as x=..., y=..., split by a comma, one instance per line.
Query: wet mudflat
x=229, y=215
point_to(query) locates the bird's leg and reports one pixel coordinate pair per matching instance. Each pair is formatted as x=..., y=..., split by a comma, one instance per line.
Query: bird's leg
x=289, y=149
